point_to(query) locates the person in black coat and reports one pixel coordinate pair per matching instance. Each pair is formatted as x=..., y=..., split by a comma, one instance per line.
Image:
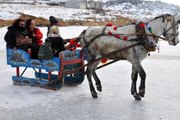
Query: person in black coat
x=17, y=29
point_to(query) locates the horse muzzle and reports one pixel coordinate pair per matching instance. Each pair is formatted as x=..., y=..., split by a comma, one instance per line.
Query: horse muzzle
x=151, y=46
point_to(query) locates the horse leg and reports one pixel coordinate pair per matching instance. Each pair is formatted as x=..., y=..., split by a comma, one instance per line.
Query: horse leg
x=89, y=74
x=142, y=74
x=134, y=77
x=98, y=82
x=142, y=84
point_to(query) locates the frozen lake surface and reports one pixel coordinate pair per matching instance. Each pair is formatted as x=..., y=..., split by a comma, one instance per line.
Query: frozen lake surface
x=161, y=102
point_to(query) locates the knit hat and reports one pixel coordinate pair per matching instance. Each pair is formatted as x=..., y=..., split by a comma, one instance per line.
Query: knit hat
x=52, y=19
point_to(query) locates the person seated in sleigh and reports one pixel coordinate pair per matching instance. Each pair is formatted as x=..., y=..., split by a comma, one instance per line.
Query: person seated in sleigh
x=36, y=35
x=53, y=36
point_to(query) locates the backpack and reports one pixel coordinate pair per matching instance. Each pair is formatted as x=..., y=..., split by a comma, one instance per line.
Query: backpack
x=45, y=52
x=57, y=45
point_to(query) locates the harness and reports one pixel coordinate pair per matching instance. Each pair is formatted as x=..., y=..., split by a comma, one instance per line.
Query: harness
x=140, y=33
x=87, y=43
x=173, y=25
x=142, y=36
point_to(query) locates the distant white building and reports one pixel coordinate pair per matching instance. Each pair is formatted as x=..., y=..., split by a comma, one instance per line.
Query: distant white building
x=91, y=4
x=73, y=3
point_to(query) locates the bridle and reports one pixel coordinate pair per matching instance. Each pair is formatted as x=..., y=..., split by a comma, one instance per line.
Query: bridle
x=173, y=27
x=166, y=19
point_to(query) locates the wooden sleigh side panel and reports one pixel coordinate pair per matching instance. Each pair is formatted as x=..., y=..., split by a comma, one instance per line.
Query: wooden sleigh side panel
x=68, y=60
x=17, y=58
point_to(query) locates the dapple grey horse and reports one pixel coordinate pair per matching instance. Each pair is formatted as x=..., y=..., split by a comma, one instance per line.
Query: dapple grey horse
x=98, y=41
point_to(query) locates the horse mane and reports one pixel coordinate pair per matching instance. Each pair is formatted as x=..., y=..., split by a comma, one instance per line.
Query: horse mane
x=165, y=15
x=161, y=16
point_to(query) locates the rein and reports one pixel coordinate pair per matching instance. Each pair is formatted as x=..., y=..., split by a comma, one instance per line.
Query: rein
x=139, y=42
x=109, y=54
x=77, y=39
x=140, y=34
x=156, y=37
x=98, y=59
x=172, y=26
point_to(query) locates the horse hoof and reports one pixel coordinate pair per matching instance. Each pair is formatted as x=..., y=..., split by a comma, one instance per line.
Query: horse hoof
x=99, y=88
x=94, y=95
x=137, y=96
x=141, y=93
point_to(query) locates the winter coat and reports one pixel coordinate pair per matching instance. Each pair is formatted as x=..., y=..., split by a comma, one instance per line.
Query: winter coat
x=54, y=31
x=57, y=44
x=53, y=36
x=37, y=36
x=10, y=37
x=12, y=33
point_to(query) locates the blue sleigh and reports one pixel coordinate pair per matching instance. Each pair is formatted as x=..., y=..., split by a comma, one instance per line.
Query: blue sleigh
x=64, y=66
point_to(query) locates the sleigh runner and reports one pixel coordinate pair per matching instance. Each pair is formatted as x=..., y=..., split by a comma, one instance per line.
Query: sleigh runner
x=67, y=61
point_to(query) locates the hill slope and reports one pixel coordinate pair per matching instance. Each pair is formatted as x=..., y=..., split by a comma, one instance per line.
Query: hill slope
x=140, y=9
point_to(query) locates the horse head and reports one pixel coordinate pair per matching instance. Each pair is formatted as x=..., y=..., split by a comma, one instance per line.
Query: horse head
x=171, y=29
x=167, y=26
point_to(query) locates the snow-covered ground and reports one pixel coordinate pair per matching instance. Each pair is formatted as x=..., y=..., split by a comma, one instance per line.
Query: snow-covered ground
x=13, y=11
x=162, y=100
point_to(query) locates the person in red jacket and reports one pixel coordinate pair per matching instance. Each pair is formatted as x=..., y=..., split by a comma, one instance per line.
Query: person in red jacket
x=36, y=35
x=34, y=32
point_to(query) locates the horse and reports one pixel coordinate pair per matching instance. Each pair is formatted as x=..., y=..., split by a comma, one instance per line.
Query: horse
x=99, y=41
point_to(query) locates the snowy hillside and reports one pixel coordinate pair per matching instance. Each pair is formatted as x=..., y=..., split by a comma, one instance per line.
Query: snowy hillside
x=127, y=8
x=140, y=9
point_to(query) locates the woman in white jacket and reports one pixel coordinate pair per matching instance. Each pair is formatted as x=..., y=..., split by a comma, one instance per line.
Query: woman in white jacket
x=53, y=30
x=53, y=36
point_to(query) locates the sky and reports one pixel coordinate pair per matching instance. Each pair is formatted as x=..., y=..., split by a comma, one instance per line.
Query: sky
x=176, y=2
